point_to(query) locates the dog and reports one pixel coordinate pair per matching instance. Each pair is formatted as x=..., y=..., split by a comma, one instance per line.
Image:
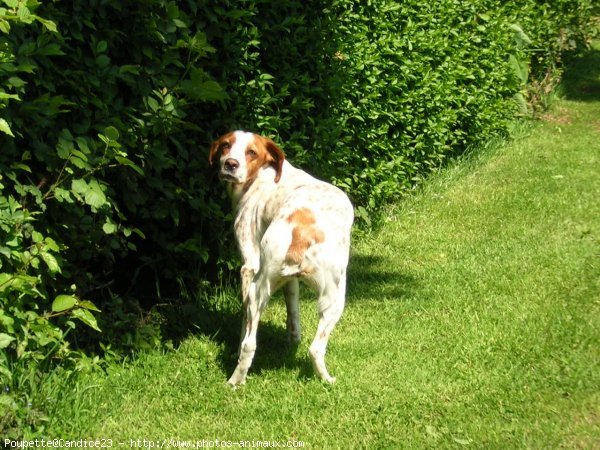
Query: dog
x=289, y=226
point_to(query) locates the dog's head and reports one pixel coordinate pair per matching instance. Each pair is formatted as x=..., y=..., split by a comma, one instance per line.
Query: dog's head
x=241, y=155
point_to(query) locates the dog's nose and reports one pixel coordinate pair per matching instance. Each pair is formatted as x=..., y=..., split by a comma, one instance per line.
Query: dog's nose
x=231, y=165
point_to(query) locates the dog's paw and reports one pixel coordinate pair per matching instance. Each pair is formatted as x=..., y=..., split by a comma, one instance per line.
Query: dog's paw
x=329, y=379
x=236, y=380
x=294, y=337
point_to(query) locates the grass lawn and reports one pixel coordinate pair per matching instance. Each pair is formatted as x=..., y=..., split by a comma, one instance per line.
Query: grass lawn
x=472, y=320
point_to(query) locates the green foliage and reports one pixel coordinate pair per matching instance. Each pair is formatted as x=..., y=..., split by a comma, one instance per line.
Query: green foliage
x=107, y=109
x=30, y=258
x=373, y=95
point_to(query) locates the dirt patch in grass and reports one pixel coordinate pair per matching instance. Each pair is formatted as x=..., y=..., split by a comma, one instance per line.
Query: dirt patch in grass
x=559, y=117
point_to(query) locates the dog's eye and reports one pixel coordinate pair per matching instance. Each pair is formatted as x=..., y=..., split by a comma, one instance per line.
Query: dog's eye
x=224, y=146
x=251, y=153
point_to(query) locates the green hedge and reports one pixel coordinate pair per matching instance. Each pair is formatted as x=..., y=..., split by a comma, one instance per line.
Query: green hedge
x=107, y=108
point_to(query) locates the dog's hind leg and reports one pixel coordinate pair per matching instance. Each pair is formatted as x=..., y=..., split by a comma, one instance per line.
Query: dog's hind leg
x=331, y=305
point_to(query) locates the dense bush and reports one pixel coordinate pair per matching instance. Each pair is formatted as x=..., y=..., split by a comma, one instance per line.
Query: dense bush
x=107, y=108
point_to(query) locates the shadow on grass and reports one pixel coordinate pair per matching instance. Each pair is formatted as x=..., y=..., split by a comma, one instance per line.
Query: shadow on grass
x=222, y=323
x=581, y=80
x=220, y=318
x=369, y=278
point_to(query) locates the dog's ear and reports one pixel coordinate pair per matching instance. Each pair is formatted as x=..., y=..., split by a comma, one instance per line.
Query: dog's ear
x=218, y=146
x=213, y=155
x=278, y=158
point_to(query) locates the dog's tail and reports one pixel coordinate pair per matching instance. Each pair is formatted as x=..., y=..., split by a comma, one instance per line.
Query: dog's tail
x=297, y=270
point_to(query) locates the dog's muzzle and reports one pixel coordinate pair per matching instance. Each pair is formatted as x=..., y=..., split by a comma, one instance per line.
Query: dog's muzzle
x=231, y=165
x=229, y=170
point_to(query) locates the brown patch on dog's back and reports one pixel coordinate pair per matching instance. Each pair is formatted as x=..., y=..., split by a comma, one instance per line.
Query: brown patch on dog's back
x=304, y=234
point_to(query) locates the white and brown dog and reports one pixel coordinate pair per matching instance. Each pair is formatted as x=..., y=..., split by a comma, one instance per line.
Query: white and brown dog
x=289, y=226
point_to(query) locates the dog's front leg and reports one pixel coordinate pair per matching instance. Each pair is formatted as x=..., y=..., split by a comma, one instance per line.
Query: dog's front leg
x=251, y=257
x=252, y=309
x=250, y=253
x=247, y=275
